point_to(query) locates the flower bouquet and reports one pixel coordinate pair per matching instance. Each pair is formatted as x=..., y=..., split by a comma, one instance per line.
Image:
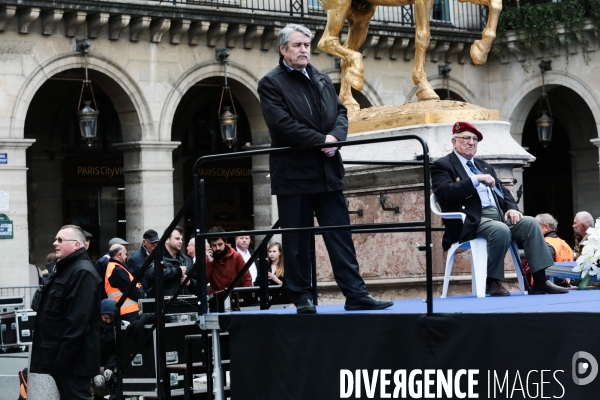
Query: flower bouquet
x=588, y=263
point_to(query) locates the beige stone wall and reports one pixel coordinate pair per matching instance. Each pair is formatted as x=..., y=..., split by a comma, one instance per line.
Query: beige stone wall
x=148, y=65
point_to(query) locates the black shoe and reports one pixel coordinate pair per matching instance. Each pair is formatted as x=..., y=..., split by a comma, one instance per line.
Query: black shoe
x=495, y=289
x=306, y=306
x=367, y=302
x=547, y=288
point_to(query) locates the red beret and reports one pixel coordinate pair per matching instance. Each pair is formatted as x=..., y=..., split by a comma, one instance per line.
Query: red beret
x=465, y=126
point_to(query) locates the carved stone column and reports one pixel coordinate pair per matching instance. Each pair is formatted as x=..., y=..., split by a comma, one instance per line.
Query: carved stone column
x=14, y=268
x=148, y=170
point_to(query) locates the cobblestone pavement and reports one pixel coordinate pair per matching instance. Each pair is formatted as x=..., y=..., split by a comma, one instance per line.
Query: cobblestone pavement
x=10, y=365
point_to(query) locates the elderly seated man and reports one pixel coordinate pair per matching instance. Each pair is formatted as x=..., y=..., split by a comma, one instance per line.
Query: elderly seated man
x=463, y=183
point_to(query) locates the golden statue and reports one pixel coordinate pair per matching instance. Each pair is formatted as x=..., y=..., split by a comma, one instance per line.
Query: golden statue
x=359, y=14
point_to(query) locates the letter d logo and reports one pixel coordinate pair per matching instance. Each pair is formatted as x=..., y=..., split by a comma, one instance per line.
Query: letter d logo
x=583, y=367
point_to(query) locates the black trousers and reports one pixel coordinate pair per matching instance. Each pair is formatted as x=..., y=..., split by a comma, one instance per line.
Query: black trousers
x=73, y=387
x=296, y=211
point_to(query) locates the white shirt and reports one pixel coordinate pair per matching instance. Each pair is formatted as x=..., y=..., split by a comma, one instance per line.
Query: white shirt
x=247, y=256
x=485, y=193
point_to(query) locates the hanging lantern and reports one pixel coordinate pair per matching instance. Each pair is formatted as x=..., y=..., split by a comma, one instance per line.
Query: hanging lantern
x=228, y=124
x=87, y=116
x=545, y=121
x=227, y=119
x=544, y=128
x=88, y=122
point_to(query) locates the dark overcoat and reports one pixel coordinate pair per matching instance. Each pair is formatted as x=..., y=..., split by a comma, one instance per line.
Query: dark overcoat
x=66, y=337
x=301, y=112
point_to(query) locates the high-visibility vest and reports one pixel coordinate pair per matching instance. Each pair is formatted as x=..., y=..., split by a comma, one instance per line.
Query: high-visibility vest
x=561, y=248
x=115, y=294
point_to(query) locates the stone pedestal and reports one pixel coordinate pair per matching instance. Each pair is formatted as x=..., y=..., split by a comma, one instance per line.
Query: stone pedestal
x=390, y=262
x=41, y=387
x=14, y=267
x=148, y=170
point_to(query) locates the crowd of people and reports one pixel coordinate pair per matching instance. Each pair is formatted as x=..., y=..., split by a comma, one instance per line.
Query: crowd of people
x=77, y=304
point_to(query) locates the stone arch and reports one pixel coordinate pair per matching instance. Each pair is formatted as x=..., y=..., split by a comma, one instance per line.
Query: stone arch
x=517, y=107
x=134, y=112
x=368, y=90
x=439, y=82
x=570, y=159
x=243, y=84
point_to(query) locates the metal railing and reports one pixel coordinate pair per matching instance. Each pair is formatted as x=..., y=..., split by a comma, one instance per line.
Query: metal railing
x=197, y=201
x=450, y=14
x=19, y=291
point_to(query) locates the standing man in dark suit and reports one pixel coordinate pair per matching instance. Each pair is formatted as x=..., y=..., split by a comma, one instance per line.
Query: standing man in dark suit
x=469, y=185
x=301, y=108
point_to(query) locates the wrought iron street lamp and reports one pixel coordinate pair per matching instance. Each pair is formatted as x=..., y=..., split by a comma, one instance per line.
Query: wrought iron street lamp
x=227, y=119
x=87, y=116
x=545, y=121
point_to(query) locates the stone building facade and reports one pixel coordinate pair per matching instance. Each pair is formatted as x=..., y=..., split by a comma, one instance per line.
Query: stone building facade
x=157, y=85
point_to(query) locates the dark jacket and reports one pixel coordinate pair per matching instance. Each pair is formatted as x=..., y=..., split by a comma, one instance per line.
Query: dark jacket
x=551, y=234
x=455, y=193
x=108, y=346
x=135, y=262
x=301, y=112
x=171, y=274
x=66, y=334
x=100, y=267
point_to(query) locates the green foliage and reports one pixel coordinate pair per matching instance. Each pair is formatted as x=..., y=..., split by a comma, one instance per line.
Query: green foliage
x=534, y=23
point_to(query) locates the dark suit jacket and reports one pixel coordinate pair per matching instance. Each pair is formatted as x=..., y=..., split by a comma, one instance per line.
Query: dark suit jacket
x=455, y=193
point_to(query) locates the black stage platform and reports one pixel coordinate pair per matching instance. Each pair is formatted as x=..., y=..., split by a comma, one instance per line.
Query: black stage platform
x=519, y=347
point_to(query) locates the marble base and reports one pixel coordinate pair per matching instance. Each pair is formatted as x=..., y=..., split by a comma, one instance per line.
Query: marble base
x=422, y=112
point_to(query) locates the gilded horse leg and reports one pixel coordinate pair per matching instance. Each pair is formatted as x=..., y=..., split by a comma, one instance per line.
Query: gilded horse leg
x=481, y=48
x=352, y=62
x=358, y=26
x=422, y=35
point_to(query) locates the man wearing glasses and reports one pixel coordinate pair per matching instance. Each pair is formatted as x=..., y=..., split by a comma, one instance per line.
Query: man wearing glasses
x=66, y=333
x=463, y=183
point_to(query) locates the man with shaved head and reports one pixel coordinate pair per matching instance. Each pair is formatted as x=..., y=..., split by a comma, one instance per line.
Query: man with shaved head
x=66, y=333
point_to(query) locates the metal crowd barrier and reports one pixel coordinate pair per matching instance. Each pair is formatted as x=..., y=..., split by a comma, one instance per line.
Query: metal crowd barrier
x=19, y=291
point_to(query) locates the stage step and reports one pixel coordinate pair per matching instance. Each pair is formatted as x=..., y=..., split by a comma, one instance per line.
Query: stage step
x=196, y=367
x=179, y=394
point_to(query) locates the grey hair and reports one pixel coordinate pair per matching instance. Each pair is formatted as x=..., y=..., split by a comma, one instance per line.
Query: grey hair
x=547, y=219
x=78, y=232
x=585, y=218
x=284, y=34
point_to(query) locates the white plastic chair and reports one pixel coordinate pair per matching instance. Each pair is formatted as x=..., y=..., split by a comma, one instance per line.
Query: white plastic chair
x=478, y=248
